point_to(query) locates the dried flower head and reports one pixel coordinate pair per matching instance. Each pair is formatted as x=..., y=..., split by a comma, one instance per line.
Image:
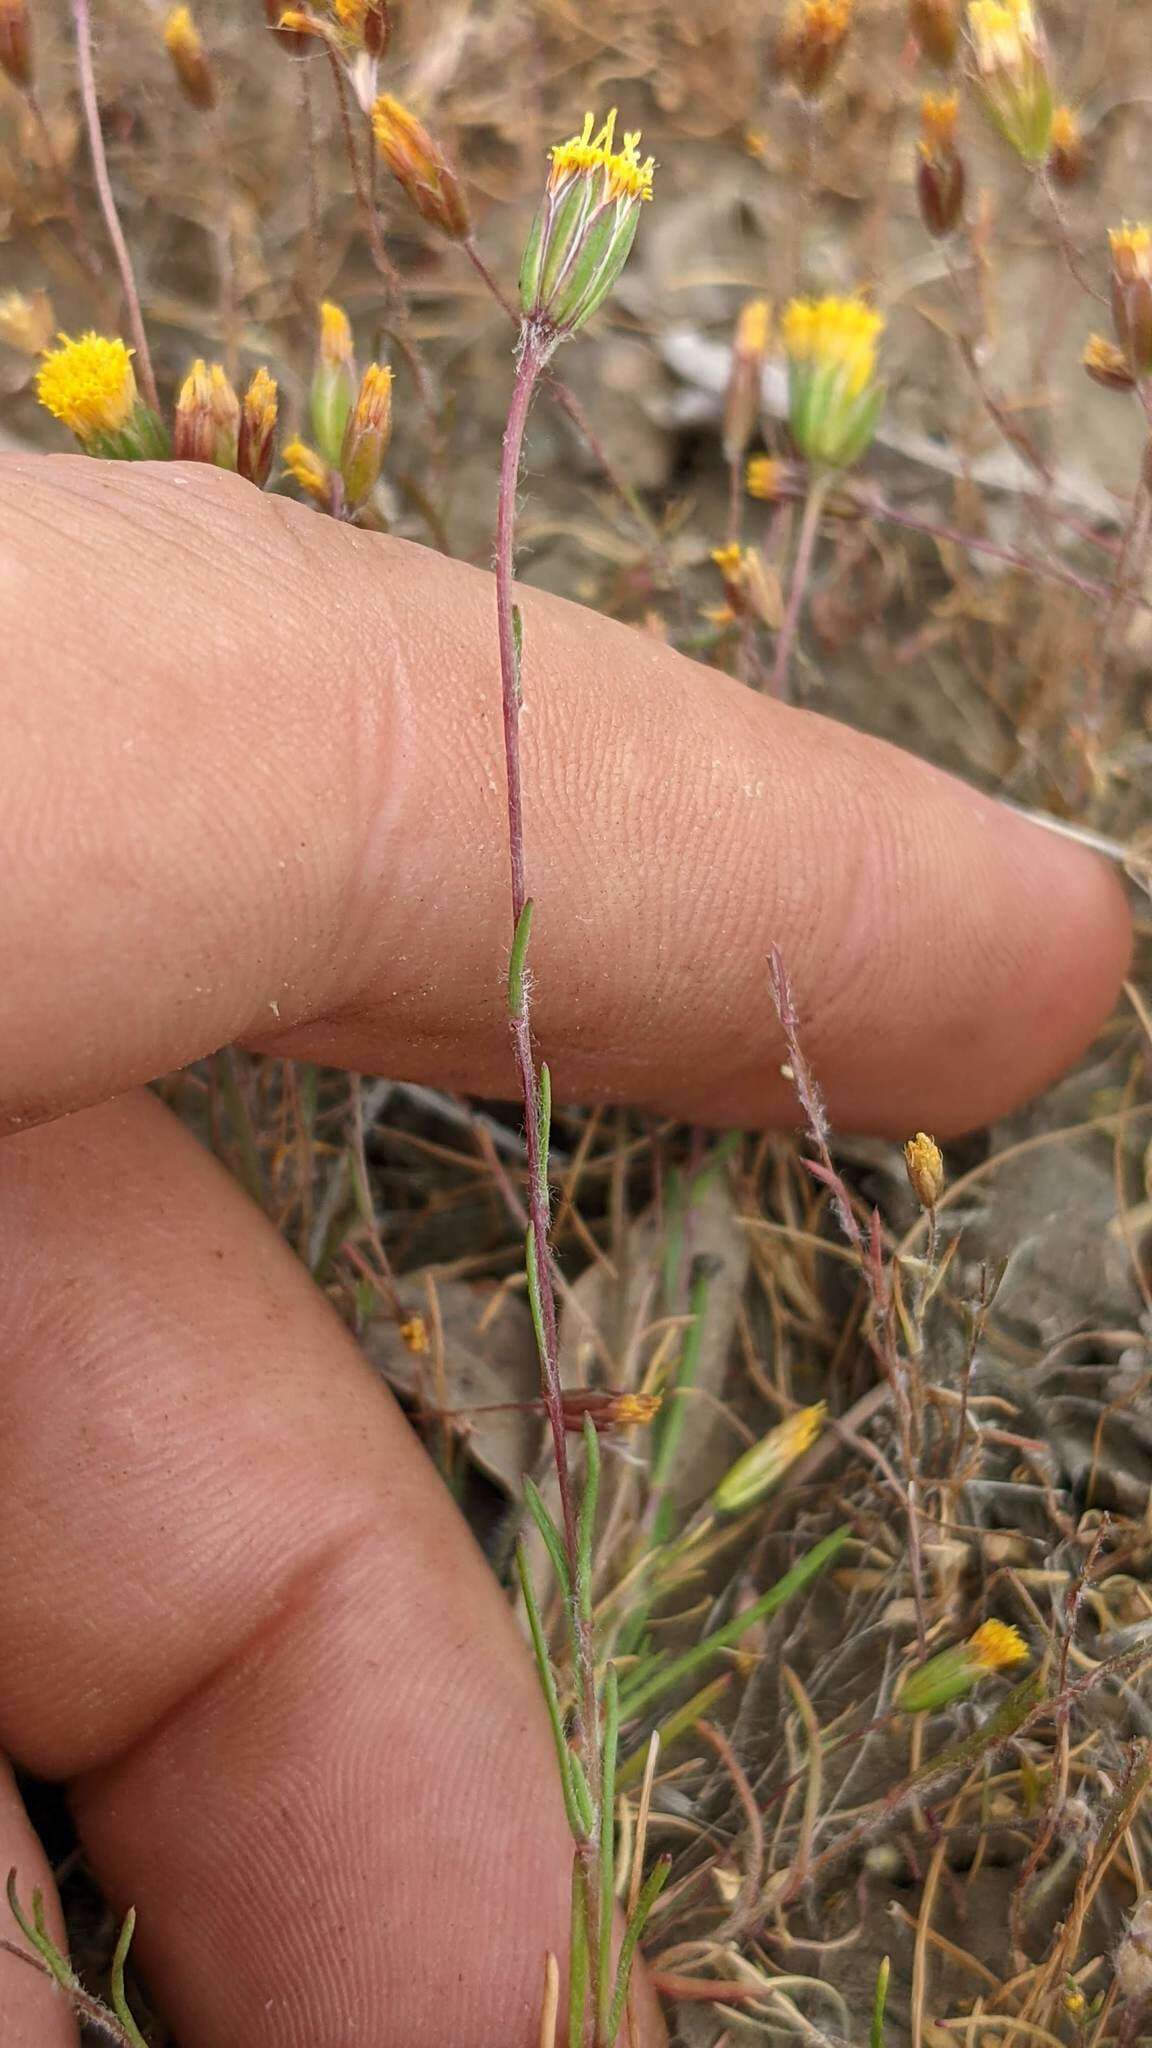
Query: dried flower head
x=935, y=28
x=940, y=178
x=924, y=1164
x=756, y=1473
x=742, y=400
x=90, y=385
x=1010, y=59
x=948, y=1676
x=1131, y=249
x=833, y=398
x=1066, y=146
x=189, y=62
x=16, y=43
x=607, y=1408
x=366, y=437
x=257, y=436
x=207, y=418
x=812, y=43
x=1107, y=365
x=585, y=227
x=27, y=323
x=421, y=168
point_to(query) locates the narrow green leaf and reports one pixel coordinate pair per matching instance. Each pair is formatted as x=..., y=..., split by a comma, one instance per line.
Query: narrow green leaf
x=36, y=1932
x=577, y=1958
x=516, y=960
x=583, y=1795
x=517, y=648
x=550, y=1536
x=116, y=1981
x=654, y=1885
x=806, y=1568
x=545, y=1128
x=607, y=1849
x=675, y=1407
x=534, y=1301
x=880, y=2000
x=548, y=1687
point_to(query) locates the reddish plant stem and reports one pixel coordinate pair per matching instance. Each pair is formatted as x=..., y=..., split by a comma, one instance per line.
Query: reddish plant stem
x=818, y=487
x=535, y=350
x=82, y=25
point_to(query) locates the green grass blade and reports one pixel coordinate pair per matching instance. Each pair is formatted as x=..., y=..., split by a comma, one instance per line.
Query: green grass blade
x=880, y=2000
x=653, y=1887
x=548, y=1687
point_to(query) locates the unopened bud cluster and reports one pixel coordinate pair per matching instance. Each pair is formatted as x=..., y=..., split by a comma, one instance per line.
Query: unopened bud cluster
x=351, y=419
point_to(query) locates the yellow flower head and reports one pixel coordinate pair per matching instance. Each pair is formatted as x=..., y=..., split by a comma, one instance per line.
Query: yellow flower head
x=753, y=328
x=89, y=384
x=623, y=174
x=414, y=1331
x=1066, y=130
x=635, y=1411
x=310, y=471
x=1004, y=33
x=995, y=1645
x=729, y=561
x=836, y=334
x=335, y=335
x=258, y=415
x=181, y=36
x=183, y=44
x=373, y=409
x=420, y=167
x=763, y=477
x=938, y=112
x=262, y=401
x=813, y=39
x=1106, y=364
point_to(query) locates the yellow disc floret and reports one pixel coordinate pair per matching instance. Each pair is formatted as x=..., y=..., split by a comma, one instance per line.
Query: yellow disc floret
x=89, y=384
x=1003, y=32
x=996, y=1645
x=834, y=333
x=586, y=155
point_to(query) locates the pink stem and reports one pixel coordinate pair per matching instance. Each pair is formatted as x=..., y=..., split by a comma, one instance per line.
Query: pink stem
x=805, y=548
x=82, y=24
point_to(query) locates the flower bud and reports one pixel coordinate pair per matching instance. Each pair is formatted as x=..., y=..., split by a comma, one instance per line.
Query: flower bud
x=207, y=418
x=257, y=436
x=812, y=43
x=1107, y=365
x=1066, y=147
x=940, y=176
x=585, y=227
x=1011, y=67
x=90, y=385
x=924, y=1165
x=1132, y=295
x=297, y=40
x=334, y=382
x=183, y=44
x=366, y=23
x=935, y=28
x=833, y=399
x=606, y=1408
x=16, y=43
x=954, y=1672
x=366, y=437
x=742, y=402
x=313, y=474
x=756, y=1473
x=765, y=477
x=421, y=168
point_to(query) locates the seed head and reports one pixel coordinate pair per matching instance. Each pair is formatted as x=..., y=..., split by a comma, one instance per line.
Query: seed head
x=833, y=399
x=925, y=1168
x=812, y=43
x=184, y=46
x=421, y=168
x=207, y=418
x=257, y=436
x=585, y=227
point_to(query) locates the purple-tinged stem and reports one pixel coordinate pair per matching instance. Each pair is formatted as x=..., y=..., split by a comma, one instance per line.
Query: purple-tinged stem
x=818, y=489
x=82, y=25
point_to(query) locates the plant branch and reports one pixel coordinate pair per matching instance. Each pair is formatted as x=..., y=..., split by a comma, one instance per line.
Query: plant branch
x=82, y=25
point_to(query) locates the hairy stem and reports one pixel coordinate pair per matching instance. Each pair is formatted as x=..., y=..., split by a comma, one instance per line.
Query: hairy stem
x=819, y=484
x=82, y=26
x=535, y=350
